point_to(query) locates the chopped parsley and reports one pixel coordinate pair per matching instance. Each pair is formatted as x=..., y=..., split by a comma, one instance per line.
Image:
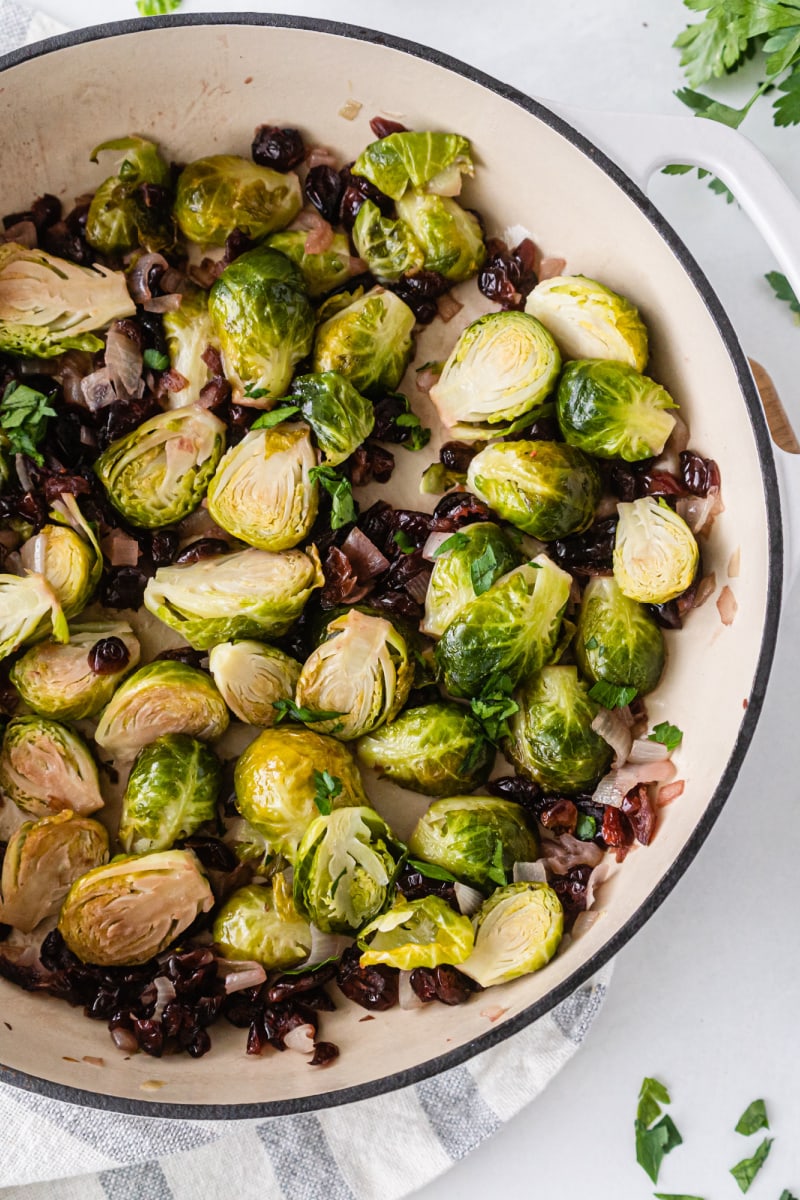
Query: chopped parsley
x=255, y=393
x=327, y=788
x=403, y=542
x=157, y=8
x=456, y=541
x=654, y=1141
x=609, y=695
x=308, y=716
x=745, y=1171
x=430, y=871
x=23, y=419
x=497, y=872
x=493, y=708
x=155, y=360
x=419, y=436
x=343, y=508
x=669, y=735
x=592, y=643
x=483, y=570
x=586, y=827
x=269, y=420
x=753, y=1118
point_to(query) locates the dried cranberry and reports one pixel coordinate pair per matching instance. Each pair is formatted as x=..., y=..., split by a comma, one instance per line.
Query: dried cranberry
x=459, y=508
x=369, y=462
x=45, y=211
x=521, y=791
x=545, y=429
x=182, y=654
x=123, y=587
x=416, y=886
x=236, y=243
x=508, y=275
x=639, y=810
x=420, y=292
x=290, y=986
x=387, y=410
x=371, y=987
x=659, y=483
x=278, y=148
x=323, y=189
x=324, y=1053
x=149, y=1035
x=571, y=891
x=56, y=485
x=398, y=604
x=456, y=456
x=108, y=656
x=214, y=394
x=355, y=191
x=382, y=127
x=163, y=545
x=561, y=817
x=443, y=983
x=616, y=829
x=206, y=547
x=699, y=474
x=341, y=582
x=60, y=240
x=589, y=553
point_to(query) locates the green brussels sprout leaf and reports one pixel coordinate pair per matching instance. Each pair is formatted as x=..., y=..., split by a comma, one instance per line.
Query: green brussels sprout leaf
x=417, y=933
x=119, y=216
x=189, y=333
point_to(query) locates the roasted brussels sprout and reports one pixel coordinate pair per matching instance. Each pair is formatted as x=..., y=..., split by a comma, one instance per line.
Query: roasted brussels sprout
x=450, y=238
x=339, y=415
x=161, y=698
x=42, y=861
x=263, y=492
x=547, y=489
x=369, y=342
x=363, y=671
x=261, y=924
x=588, y=320
x=252, y=593
x=617, y=640
x=69, y=558
x=611, y=411
x=467, y=565
x=264, y=322
x=552, y=740
x=477, y=838
x=171, y=791
x=223, y=192
x=189, y=334
x=45, y=767
x=49, y=305
x=276, y=783
x=436, y=749
x=508, y=633
x=499, y=374
x=251, y=677
x=159, y=473
x=655, y=553
x=56, y=680
x=518, y=930
x=387, y=246
x=322, y=270
x=248, y=844
x=345, y=869
x=119, y=216
x=29, y=608
x=128, y=911
x=432, y=161
x=417, y=933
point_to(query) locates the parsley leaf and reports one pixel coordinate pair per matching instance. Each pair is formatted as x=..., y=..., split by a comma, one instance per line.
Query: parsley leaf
x=786, y=1195
x=783, y=290
x=497, y=872
x=155, y=360
x=493, y=709
x=456, y=541
x=157, y=8
x=483, y=570
x=308, y=716
x=669, y=735
x=609, y=695
x=653, y=1144
x=419, y=436
x=430, y=871
x=745, y=1171
x=327, y=788
x=787, y=106
x=269, y=420
x=255, y=393
x=753, y=1118
x=674, y=1196
x=652, y=1095
x=343, y=509
x=23, y=419
x=403, y=542
x=592, y=643
x=586, y=827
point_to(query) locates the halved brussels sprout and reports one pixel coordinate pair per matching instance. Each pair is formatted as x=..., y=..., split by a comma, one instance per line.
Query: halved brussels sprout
x=56, y=680
x=450, y=238
x=436, y=749
x=363, y=671
x=158, y=473
x=45, y=767
x=508, y=633
x=387, y=246
x=655, y=553
x=433, y=161
x=126, y=912
x=345, y=869
x=322, y=270
x=617, y=640
x=477, y=838
x=467, y=565
x=49, y=305
x=189, y=334
x=547, y=489
x=119, y=217
x=223, y=192
x=251, y=677
x=264, y=322
x=248, y=844
x=552, y=740
x=368, y=341
x=171, y=791
x=71, y=563
x=29, y=608
x=261, y=924
x=43, y=859
x=263, y=492
x=518, y=930
x=339, y=415
x=163, y=697
x=252, y=593
x=588, y=320
x=277, y=778
x=498, y=376
x=417, y=933
x=611, y=411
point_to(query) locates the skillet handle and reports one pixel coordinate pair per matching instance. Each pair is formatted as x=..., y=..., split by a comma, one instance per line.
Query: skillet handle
x=642, y=143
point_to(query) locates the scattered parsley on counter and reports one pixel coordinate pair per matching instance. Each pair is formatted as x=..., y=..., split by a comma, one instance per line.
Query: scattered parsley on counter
x=783, y=290
x=753, y=1118
x=745, y=1171
x=157, y=8
x=654, y=1141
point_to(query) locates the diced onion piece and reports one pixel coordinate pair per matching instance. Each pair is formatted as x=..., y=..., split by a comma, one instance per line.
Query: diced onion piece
x=23, y=474
x=125, y=1040
x=468, y=899
x=563, y=853
x=614, y=787
x=97, y=390
x=427, y=378
x=163, y=304
x=494, y=1012
x=613, y=729
x=706, y=588
x=530, y=872
x=551, y=268
x=139, y=276
x=645, y=751
x=325, y=946
x=417, y=586
x=407, y=998
x=448, y=307
x=699, y=511
x=165, y=991
x=123, y=361
x=670, y=792
x=239, y=975
x=120, y=549
x=435, y=540
x=300, y=1039
x=364, y=556
x=320, y=156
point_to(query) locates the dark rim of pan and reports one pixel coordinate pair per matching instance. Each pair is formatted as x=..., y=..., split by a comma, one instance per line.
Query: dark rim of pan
x=665, y=885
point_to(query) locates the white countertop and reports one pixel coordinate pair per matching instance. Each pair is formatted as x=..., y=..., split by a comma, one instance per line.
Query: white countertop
x=706, y=996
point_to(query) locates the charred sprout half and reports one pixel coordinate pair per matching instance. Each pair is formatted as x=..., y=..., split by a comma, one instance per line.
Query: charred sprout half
x=617, y=640
x=161, y=698
x=517, y=931
x=277, y=783
x=159, y=473
x=476, y=838
x=611, y=411
x=252, y=593
x=417, y=933
x=588, y=320
x=42, y=861
x=171, y=791
x=261, y=924
x=252, y=677
x=60, y=681
x=656, y=555
x=467, y=564
x=438, y=749
x=431, y=161
x=45, y=767
x=368, y=341
x=223, y=192
x=126, y=912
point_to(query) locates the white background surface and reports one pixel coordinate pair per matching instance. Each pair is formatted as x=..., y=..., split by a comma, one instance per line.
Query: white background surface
x=707, y=996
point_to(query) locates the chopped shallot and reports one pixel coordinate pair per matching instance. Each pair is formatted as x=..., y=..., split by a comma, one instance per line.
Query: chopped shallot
x=163, y=304
x=123, y=361
x=320, y=156
x=139, y=276
x=613, y=729
x=165, y=991
x=448, y=307
x=645, y=751
x=301, y=1039
x=670, y=792
x=23, y=474
x=599, y=875
x=706, y=587
x=614, y=787
x=240, y=975
x=530, y=872
x=726, y=606
x=699, y=511
x=364, y=556
x=678, y=440
x=417, y=586
x=120, y=549
x=468, y=899
x=125, y=1040
x=427, y=378
x=325, y=946
x=24, y=233
x=549, y=268
x=435, y=540
x=97, y=390
x=406, y=996
x=563, y=853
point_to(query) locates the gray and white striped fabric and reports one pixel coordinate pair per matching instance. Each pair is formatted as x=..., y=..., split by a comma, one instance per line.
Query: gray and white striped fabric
x=55, y=1151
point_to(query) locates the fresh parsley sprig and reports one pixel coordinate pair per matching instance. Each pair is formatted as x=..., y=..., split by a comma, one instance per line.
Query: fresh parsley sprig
x=654, y=1140
x=784, y=291
x=343, y=507
x=307, y=716
x=23, y=418
x=327, y=788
